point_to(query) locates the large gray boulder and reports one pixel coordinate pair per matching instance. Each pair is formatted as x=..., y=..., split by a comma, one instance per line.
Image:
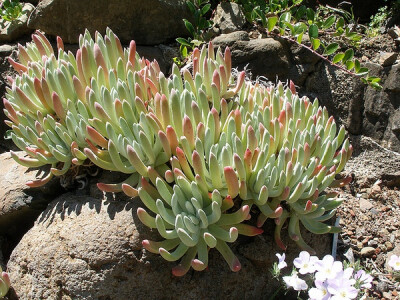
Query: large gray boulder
x=86, y=248
x=19, y=204
x=147, y=22
x=270, y=58
x=228, y=18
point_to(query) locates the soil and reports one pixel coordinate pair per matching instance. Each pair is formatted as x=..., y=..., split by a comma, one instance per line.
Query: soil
x=370, y=214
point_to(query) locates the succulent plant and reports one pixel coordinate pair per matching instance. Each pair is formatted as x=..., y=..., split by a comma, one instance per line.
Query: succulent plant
x=218, y=145
x=4, y=283
x=191, y=222
x=273, y=150
x=67, y=109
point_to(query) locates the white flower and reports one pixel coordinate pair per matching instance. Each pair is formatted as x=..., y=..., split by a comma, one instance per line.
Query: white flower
x=305, y=262
x=281, y=263
x=320, y=292
x=364, y=279
x=394, y=262
x=295, y=282
x=342, y=287
x=327, y=268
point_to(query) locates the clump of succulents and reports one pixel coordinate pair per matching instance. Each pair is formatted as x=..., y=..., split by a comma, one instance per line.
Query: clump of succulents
x=4, y=283
x=201, y=147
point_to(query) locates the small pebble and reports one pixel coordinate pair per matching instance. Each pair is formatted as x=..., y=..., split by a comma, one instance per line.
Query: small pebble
x=365, y=204
x=382, y=286
x=389, y=245
x=367, y=251
x=386, y=295
x=372, y=243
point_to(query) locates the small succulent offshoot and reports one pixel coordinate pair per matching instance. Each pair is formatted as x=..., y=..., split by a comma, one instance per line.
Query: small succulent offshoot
x=4, y=283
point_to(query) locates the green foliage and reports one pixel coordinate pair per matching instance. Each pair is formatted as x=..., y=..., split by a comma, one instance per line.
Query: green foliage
x=204, y=150
x=327, y=27
x=197, y=30
x=377, y=21
x=257, y=10
x=10, y=10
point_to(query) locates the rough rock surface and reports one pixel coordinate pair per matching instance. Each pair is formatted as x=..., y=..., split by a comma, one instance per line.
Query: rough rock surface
x=228, y=18
x=382, y=108
x=85, y=248
x=362, y=109
x=268, y=57
x=19, y=204
x=371, y=162
x=10, y=31
x=341, y=93
x=143, y=21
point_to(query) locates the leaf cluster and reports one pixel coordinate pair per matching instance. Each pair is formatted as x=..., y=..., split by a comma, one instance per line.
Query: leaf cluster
x=199, y=10
x=321, y=25
x=10, y=10
x=256, y=11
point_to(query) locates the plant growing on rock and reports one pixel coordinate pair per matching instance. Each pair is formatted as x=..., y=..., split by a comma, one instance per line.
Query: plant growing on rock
x=202, y=148
x=192, y=221
x=327, y=29
x=197, y=30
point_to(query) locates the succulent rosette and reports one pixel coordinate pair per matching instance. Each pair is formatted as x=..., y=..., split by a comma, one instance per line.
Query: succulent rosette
x=191, y=222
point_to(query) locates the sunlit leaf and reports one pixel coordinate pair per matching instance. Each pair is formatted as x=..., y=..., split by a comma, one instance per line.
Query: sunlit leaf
x=300, y=28
x=315, y=43
x=205, y=9
x=184, y=42
x=313, y=31
x=300, y=38
x=329, y=22
x=272, y=22
x=357, y=65
x=331, y=48
x=310, y=15
x=349, y=65
x=338, y=57
x=348, y=55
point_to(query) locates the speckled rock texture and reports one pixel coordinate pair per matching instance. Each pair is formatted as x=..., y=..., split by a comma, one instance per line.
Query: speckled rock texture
x=86, y=248
x=143, y=21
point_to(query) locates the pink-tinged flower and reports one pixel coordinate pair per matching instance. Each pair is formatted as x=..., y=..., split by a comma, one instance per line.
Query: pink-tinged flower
x=295, y=282
x=327, y=268
x=281, y=264
x=394, y=262
x=320, y=292
x=342, y=287
x=364, y=279
x=305, y=262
